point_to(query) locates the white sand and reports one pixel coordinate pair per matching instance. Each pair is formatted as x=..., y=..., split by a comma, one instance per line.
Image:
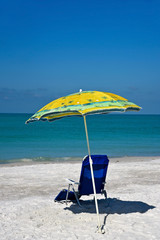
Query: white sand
x=132, y=211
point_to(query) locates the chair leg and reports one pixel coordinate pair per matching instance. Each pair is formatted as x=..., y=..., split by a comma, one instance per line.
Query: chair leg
x=68, y=193
x=76, y=196
x=105, y=193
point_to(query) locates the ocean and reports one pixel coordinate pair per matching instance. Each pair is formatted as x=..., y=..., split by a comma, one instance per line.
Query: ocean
x=116, y=135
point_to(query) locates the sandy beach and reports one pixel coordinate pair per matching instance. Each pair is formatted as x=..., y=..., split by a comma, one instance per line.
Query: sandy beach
x=132, y=210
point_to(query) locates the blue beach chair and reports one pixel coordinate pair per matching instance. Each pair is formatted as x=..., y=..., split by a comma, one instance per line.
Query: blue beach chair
x=85, y=187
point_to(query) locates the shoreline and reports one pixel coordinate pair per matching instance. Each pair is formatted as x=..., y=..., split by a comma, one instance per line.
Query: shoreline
x=74, y=160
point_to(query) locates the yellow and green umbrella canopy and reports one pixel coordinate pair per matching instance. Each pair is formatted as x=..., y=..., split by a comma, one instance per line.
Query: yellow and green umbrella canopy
x=82, y=104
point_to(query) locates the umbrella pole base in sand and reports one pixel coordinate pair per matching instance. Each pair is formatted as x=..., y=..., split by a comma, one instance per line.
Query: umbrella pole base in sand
x=100, y=230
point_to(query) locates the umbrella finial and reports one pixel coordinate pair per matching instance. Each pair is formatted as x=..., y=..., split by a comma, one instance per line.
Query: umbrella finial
x=80, y=90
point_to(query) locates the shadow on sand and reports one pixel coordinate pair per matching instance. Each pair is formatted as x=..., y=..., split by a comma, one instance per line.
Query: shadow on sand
x=110, y=206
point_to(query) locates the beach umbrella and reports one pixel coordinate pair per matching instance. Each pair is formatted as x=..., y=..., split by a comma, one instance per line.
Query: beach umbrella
x=82, y=104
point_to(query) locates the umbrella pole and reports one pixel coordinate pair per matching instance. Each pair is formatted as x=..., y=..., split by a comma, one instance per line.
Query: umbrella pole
x=92, y=175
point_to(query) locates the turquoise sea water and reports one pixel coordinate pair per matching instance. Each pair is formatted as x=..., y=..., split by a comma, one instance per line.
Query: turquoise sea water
x=112, y=134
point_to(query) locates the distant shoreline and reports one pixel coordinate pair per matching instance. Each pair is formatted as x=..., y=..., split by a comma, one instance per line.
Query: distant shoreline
x=73, y=160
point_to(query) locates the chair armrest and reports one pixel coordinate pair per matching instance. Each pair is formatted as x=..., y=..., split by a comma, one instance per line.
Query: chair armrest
x=70, y=181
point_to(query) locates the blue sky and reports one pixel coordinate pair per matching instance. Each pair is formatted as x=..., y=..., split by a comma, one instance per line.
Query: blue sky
x=53, y=48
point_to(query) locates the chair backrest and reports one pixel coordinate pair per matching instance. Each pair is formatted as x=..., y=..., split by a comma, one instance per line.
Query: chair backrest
x=100, y=165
